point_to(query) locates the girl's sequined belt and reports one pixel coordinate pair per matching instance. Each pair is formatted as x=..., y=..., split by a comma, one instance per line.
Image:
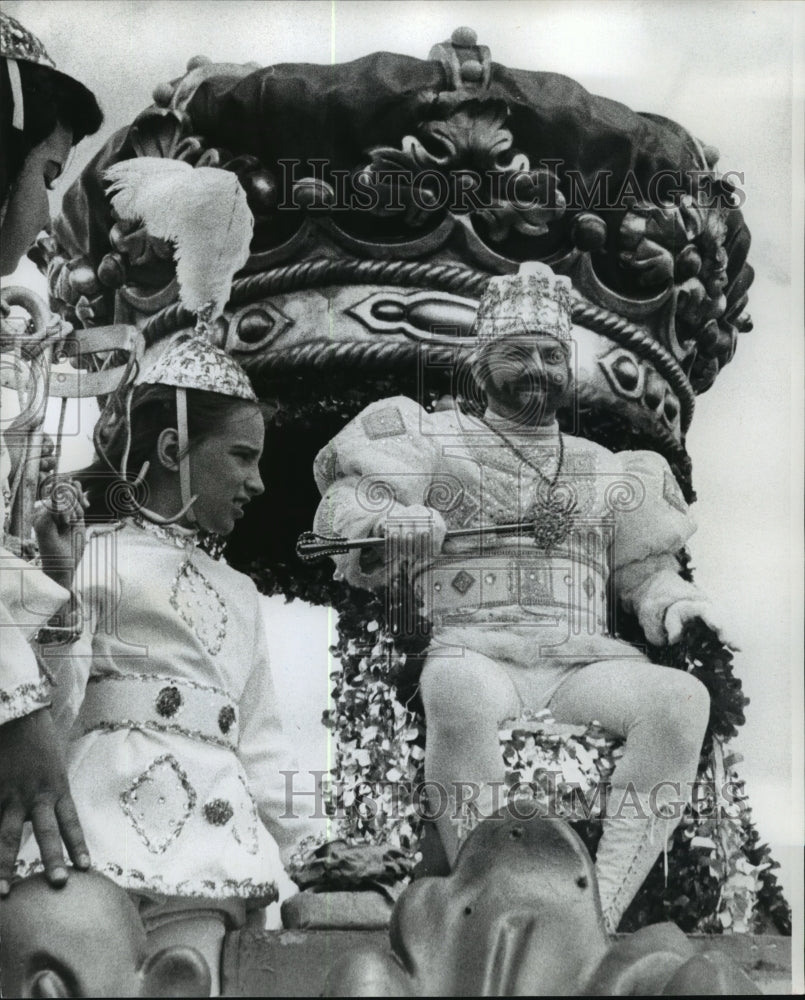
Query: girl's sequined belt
x=160, y=704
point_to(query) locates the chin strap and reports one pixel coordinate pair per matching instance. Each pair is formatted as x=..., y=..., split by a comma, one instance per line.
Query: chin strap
x=17, y=99
x=184, y=465
x=184, y=455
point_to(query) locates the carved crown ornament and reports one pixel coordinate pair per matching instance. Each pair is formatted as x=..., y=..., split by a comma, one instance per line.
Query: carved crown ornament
x=398, y=186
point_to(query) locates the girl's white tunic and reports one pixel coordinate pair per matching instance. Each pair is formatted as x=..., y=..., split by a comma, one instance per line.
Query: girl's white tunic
x=176, y=749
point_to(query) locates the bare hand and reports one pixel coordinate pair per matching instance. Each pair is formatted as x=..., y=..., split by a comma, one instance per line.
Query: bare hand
x=47, y=458
x=59, y=526
x=33, y=786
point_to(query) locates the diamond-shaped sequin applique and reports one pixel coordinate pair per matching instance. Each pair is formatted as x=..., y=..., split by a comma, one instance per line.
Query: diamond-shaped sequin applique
x=462, y=581
x=159, y=802
x=200, y=606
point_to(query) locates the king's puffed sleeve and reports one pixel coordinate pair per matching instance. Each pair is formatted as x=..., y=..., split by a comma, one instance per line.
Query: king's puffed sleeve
x=652, y=523
x=380, y=466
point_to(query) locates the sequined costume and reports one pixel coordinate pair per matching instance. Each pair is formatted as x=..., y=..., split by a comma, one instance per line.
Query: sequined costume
x=540, y=611
x=28, y=599
x=175, y=742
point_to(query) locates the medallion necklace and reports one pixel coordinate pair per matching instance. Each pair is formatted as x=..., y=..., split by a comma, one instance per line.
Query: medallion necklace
x=552, y=514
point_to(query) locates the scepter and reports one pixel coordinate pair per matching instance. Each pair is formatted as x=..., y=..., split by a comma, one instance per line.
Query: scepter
x=311, y=546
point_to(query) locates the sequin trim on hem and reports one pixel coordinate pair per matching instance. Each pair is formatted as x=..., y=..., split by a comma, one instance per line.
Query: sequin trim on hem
x=24, y=699
x=132, y=879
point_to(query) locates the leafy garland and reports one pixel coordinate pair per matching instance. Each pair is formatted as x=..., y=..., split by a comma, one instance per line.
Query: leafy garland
x=718, y=876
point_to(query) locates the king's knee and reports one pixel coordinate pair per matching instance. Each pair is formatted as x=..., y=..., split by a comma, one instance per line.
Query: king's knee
x=696, y=700
x=684, y=708
x=471, y=688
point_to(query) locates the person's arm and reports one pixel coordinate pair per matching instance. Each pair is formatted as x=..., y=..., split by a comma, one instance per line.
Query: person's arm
x=33, y=786
x=379, y=467
x=30, y=596
x=60, y=532
x=663, y=602
x=23, y=688
x=36, y=596
x=33, y=778
x=653, y=523
x=341, y=513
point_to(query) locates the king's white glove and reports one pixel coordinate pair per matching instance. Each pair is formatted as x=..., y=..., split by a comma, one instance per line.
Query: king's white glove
x=424, y=523
x=678, y=614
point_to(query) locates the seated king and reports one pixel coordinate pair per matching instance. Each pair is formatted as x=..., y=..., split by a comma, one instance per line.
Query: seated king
x=521, y=543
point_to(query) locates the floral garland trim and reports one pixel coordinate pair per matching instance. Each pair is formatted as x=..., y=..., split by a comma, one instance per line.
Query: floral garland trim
x=715, y=878
x=379, y=752
x=721, y=835
x=558, y=768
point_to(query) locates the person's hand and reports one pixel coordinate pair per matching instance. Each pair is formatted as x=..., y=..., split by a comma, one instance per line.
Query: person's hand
x=18, y=441
x=682, y=612
x=59, y=526
x=47, y=459
x=423, y=530
x=33, y=786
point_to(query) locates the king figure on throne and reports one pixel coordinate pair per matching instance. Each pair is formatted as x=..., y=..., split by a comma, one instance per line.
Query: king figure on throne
x=519, y=603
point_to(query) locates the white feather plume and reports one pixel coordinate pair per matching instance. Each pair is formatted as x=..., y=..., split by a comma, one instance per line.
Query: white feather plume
x=203, y=211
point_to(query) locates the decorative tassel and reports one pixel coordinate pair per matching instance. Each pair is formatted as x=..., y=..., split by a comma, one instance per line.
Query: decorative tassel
x=203, y=211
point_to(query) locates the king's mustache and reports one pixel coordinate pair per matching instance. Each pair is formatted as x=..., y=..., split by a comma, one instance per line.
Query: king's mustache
x=532, y=381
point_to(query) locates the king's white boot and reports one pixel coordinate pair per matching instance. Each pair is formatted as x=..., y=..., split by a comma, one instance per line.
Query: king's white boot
x=634, y=835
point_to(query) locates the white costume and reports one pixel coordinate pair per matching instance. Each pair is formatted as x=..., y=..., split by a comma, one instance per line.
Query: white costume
x=175, y=746
x=541, y=613
x=28, y=599
x=532, y=604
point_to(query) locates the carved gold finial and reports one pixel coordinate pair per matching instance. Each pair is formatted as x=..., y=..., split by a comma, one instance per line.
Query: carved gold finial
x=467, y=64
x=464, y=38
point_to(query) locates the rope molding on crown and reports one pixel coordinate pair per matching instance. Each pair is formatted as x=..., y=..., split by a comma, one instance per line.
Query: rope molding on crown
x=323, y=271
x=629, y=335
x=439, y=277
x=320, y=355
